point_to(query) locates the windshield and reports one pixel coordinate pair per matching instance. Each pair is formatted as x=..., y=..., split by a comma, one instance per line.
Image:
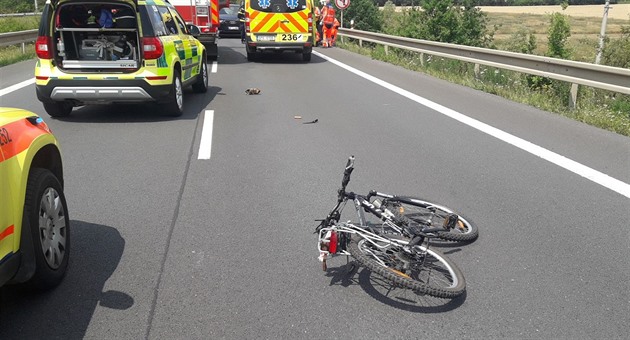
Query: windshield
x=278, y=6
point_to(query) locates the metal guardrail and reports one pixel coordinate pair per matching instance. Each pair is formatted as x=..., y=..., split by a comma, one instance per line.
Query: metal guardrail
x=19, y=15
x=600, y=76
x=14, y=38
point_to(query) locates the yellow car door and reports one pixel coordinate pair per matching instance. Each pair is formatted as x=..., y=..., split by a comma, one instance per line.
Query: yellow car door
x=7, y=223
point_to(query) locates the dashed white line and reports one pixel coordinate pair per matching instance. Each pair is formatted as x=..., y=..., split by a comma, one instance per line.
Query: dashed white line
x=214, y=67
x=557, y=159
x=16, y=87
x=205, y=145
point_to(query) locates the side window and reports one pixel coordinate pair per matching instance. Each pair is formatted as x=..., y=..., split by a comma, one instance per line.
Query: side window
x=156, y=20
x=168, y=20
x=180, y=22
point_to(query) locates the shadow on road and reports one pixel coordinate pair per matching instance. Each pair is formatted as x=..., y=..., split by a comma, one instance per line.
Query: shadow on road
x=65, y=312
x=142, y=112
x=383, y=291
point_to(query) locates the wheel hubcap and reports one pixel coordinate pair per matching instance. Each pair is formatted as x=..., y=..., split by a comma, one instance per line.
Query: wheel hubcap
x=52, y=228
x=178, y=93
x=205, y=74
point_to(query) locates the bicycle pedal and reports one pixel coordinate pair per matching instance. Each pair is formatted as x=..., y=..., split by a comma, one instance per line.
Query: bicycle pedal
x=451, y=221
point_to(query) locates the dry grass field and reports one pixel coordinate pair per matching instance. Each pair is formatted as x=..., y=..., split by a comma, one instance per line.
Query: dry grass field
x=617, y=11
x=585, y=24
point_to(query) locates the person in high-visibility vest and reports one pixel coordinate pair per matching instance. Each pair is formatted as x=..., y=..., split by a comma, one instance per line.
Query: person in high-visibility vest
x=328, y=19
x=333, y=37
x=318, y=23
x=241, y=22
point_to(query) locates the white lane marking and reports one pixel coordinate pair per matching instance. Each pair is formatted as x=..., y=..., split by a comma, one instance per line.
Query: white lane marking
x=205, y=145
x=559, y=160
x=16, y=87
x=214, y=67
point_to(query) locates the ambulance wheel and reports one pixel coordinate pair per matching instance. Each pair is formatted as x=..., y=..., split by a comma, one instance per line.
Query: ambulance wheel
x=306, y=57
x=58, y=109
x=46, y=218
x=175, y=105
x=201, y=84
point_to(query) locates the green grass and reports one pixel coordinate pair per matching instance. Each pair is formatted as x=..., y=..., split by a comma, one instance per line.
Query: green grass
x=13, y=54
x=14, y=24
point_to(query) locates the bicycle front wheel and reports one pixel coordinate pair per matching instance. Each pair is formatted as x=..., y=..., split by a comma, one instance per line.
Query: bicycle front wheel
x=426, y=271
x=422, y=211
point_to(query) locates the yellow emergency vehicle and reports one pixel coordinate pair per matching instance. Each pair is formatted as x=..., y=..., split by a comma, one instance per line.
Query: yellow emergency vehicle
x=279, y=25
x=34, y=222
x=116, y=51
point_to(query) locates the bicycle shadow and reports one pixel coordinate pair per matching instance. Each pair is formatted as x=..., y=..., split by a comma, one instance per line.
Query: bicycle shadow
x=385, y=292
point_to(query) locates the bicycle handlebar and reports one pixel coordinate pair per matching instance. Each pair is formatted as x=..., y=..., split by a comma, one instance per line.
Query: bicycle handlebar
x=347, y=172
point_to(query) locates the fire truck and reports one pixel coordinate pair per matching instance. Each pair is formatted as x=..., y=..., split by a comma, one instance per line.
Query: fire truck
x=205, y=15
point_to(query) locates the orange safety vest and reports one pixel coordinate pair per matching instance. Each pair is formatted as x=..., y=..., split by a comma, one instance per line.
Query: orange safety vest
x=329, y=15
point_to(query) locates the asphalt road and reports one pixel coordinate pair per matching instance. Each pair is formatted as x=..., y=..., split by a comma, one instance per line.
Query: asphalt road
x=169, y=246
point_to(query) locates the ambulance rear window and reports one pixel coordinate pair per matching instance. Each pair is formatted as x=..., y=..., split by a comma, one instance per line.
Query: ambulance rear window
x=278, y=6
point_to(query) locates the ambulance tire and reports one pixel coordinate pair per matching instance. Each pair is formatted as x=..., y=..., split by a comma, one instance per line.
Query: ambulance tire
x=175, y=104
x=58, y=109
x=46, y=219
x=201, y=84
x=251, y=53
x=306, y=57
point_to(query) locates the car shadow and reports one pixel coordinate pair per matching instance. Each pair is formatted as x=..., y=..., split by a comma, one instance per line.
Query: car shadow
x=65, y=312
x=194, y=103
x=231, y=55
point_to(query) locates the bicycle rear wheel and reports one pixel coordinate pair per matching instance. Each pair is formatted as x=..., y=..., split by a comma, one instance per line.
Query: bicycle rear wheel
x=428, y=271
x=418, y=210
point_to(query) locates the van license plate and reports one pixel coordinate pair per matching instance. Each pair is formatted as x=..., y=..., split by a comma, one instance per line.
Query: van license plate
x=267, y=37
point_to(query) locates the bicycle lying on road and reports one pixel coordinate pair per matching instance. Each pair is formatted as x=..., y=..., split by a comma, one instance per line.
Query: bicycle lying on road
x=398, y=247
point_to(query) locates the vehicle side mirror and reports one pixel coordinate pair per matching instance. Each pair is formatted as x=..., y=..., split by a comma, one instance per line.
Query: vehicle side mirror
x=194, y=30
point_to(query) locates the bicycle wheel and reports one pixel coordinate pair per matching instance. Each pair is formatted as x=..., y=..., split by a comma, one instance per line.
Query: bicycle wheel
x=428, y=271
x=418, y=210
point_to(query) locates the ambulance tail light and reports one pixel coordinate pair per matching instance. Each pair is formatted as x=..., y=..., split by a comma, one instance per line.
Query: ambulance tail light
x=152, y=48
x=43, y=47
x=247, y=30
x=310, y=22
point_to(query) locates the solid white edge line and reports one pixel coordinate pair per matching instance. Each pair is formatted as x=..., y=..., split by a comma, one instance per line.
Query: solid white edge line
x=16, y=87
x=214, y=67
x=205, y=145
x=561, y=161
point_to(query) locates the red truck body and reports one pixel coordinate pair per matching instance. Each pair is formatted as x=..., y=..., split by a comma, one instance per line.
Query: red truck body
x=205, y=15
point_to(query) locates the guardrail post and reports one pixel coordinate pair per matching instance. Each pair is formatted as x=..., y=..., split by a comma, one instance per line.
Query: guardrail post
x=477, y=71
x=23, y=48
x=386, y=49
x=573, y=96
x=360, y=43
x=422, y=59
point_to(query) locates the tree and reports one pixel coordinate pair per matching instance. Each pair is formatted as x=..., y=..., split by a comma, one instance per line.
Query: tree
x=447, y=21
x=558, y=35
x=366, y=16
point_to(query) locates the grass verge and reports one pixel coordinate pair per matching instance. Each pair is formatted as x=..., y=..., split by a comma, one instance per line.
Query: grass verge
x=13, y=54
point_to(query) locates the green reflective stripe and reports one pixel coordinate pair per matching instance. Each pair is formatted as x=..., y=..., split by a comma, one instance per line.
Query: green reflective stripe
x=161, y=62
x=194, y=50
x=80, y=78
x=110, y=78
x=179, y=47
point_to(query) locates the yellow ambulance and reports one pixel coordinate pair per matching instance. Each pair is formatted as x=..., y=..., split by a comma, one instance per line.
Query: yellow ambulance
x=279, y=25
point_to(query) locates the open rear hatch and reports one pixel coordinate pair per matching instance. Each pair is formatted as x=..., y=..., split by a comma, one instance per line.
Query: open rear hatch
x=96, y=36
